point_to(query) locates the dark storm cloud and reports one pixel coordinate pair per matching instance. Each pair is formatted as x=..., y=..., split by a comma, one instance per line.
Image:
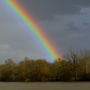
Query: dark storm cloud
x=46, y=9
x=72, y=27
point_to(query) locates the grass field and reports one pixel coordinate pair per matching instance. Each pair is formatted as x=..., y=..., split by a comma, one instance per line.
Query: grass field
x=45, y=86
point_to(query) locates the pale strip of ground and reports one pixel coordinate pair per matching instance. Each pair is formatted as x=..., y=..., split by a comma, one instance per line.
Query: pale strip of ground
x=45, y=86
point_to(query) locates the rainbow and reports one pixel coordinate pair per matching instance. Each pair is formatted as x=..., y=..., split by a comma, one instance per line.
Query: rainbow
x=28, y=23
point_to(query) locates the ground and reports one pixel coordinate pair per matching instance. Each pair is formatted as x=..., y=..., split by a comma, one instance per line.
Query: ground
x=45, y=86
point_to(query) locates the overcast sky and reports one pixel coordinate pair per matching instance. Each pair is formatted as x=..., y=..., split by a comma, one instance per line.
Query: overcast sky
x=67, y=23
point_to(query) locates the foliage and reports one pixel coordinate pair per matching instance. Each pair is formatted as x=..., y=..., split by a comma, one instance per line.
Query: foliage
x=74, y=67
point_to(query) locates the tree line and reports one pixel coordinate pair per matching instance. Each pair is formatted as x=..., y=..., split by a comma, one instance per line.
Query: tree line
x=73, y=67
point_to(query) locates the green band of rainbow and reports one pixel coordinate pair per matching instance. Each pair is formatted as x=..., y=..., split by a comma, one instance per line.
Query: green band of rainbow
x=37, y=33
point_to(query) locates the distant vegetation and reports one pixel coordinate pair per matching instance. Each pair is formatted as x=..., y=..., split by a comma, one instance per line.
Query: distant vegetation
x=74, y=67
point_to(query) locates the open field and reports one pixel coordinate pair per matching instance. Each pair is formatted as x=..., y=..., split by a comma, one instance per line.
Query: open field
x=45, y=86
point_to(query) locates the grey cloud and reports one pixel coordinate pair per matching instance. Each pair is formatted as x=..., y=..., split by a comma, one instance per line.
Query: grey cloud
x=86, y=23
x=15, y=42
x=46, y=9
x=71, y=26
x=69, y=32
x=68, y=27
